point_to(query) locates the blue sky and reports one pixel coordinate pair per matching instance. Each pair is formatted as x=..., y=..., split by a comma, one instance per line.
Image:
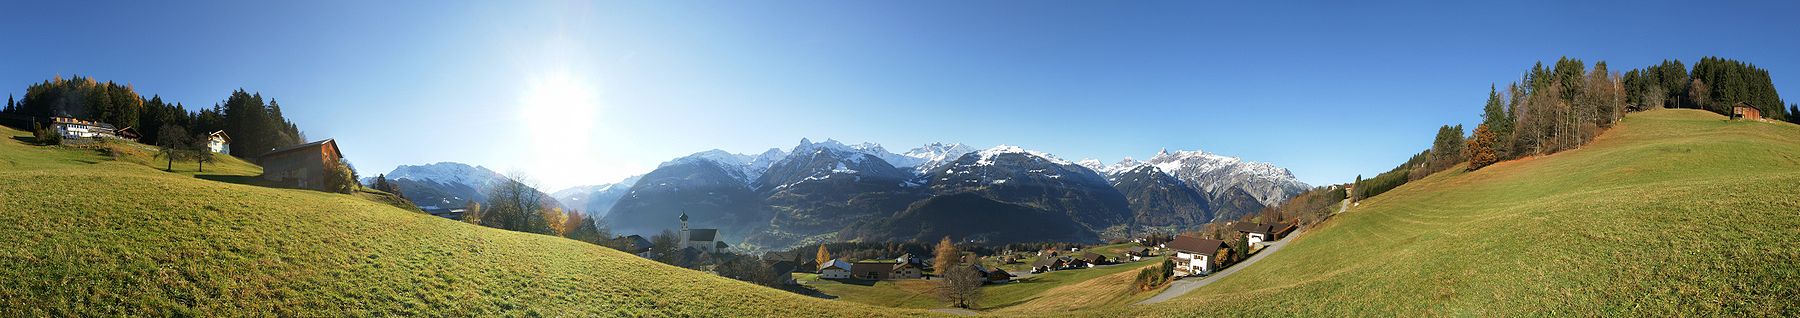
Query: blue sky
x=1329, y=90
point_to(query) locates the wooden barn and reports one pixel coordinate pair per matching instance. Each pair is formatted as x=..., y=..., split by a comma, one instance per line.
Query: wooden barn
x=1743, y=110
x=300, y=166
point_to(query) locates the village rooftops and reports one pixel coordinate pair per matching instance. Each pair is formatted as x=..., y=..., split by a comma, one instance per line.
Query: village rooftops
x=1092, y=257
x=702, y=234
x=1249, y=227
x=1196, y=245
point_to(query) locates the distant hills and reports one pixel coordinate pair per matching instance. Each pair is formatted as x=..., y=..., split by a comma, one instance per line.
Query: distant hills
x=446, y=185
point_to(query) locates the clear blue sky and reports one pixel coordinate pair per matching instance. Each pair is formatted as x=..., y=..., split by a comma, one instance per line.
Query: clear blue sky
x=1329, y=90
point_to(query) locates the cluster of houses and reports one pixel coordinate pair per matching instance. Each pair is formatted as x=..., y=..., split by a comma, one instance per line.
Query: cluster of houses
x=1199, y=256
x=1053, y=260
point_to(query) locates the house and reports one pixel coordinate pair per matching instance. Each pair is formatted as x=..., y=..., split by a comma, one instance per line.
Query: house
x=704, y=240
x=1092, y=259
x=835, y=269
x=1195, y=256
x=782, y=270
x=634, y=244
x=1049, y=263
x=218, y=142
x=1743, y=110
x=1137, y=253
x=872, y=270
x=300, y=166
x=802, y=261
x=127, y=133
x=1255, y=232
x=75, y=129
x=1286, y=228
x=907, y=270
x=993, y=275
x=908, y=258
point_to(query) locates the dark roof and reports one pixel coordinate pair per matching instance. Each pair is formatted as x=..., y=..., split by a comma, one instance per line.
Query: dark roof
x=321, y=143
x=1196, y=245
x=702, y=234
x=779, y=267
x=1091, y=257
x=781, y=256
x=1248, y=227
x=863, y=267
x=1138, y=249
x=720, y=245
x=1047, y=261
x=633, y=242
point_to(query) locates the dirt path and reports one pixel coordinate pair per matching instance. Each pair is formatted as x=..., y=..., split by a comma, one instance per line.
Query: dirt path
x=1182, y=287
x=957, y=311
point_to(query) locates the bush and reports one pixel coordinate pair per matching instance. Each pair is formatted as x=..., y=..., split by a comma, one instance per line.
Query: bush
x=338, y=178
x=47, y=136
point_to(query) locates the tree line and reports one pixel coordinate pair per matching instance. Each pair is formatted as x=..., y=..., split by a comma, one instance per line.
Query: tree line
x=1714, y=84
x=254, y=126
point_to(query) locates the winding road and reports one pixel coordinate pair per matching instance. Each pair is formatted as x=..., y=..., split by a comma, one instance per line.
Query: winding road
x=1182, y=287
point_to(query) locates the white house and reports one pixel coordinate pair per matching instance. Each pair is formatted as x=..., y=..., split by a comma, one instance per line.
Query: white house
x=218, y=142
x=71, y=128
x=1256, y=233
x=705, y=240
x=835, y=269
x=1194, y=256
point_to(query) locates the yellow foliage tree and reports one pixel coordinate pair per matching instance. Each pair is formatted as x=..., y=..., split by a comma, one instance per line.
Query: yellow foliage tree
x=824, y=255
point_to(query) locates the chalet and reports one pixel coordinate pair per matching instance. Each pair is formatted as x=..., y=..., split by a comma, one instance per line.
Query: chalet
x=782, y=270
x=1137, y=253
x=127, y=133
x=908, y=258
x=1049, y=263
x=802, y=261
x=300, y=166
x=1195, y=256
x=872, y=270
x=704, y=240
x=993, y=275
x=1743, y=110
x=218, y=142
x=1255, y=232
x=835, y=269
x=633, y=244
x=907, y=270
x=76, y=129
x=1092, y=259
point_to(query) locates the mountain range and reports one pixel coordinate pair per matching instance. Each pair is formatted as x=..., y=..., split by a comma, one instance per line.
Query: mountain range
x=830, y=191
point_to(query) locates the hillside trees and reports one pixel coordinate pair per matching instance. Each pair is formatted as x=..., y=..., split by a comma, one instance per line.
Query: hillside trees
x=587, y=229
x=960, y=285
x=256, y=127
x=1483, y=149
x=513, y=205
x=1446, y=151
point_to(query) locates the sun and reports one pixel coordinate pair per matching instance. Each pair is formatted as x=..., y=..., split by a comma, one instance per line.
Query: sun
x=559, y=112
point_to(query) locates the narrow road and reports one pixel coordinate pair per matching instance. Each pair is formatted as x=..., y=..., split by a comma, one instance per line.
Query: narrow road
x=957, y=311
x=1182, y=287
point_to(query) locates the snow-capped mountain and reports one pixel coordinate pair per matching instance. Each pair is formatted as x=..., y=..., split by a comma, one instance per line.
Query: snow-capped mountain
x=595, y=200
x=927, y=157
x=448, y=184
x=1015, y=175
x=1212, y=173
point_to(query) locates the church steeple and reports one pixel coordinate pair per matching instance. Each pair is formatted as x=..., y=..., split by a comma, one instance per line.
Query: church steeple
x=684, y=231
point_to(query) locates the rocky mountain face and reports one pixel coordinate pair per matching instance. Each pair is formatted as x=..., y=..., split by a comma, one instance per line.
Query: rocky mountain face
x=830, y=191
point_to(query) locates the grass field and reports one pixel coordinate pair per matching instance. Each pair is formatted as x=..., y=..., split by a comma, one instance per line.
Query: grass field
x=1675, y=213
x=88, y=234
x=1057, y=290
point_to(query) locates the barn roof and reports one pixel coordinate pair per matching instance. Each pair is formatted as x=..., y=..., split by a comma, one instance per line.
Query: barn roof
x=1196, y=245
x=328, y=142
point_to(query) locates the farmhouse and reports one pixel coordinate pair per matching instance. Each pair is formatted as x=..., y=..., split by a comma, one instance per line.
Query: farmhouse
x=908, y=258
x=1743, y=110
x=74, y=129
x=1049, y=263
x=782, y=270
x=835, y=269
x=1195, y=256
x=218, y=142
x=300, y=166
x=993, y=275
x=127, y=133
x=633, y=244
x=1092, y=259
x=907, y=270
x=1137, y=253
x=872, y=270
x=1256, y=232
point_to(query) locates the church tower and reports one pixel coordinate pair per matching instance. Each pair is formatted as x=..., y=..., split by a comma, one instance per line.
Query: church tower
x=683, y=237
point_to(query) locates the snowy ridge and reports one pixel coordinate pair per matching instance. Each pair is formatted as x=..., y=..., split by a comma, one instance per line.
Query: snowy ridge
x=447, y=173
x=987, y=155
x=744, y=168
x=927, y=157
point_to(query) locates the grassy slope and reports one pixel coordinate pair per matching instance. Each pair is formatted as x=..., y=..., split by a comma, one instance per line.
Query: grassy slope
x=86, y=235
x=1677, y=212
x=1042, y=292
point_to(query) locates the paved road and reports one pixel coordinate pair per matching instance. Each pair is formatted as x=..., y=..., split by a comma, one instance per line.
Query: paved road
x=1182, y=287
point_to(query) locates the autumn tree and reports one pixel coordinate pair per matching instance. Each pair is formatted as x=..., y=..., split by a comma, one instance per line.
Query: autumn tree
x=946, y=255
x=824, y=255
x=472, y=214
x=1482, y=148
x=339, y=178
x=557, y=220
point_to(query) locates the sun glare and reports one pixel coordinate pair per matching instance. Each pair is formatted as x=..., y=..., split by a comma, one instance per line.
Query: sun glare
x=559, y=112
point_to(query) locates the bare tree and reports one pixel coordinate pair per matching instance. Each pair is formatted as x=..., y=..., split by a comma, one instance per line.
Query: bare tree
x=960, y=285
x=515, y=205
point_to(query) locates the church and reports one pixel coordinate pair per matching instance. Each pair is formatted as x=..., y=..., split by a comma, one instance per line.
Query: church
x=705, y=240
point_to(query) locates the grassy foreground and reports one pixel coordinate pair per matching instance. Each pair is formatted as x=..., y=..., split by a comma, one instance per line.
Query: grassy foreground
x=1045, y=293
x=89, y=234
x=1675, y=213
